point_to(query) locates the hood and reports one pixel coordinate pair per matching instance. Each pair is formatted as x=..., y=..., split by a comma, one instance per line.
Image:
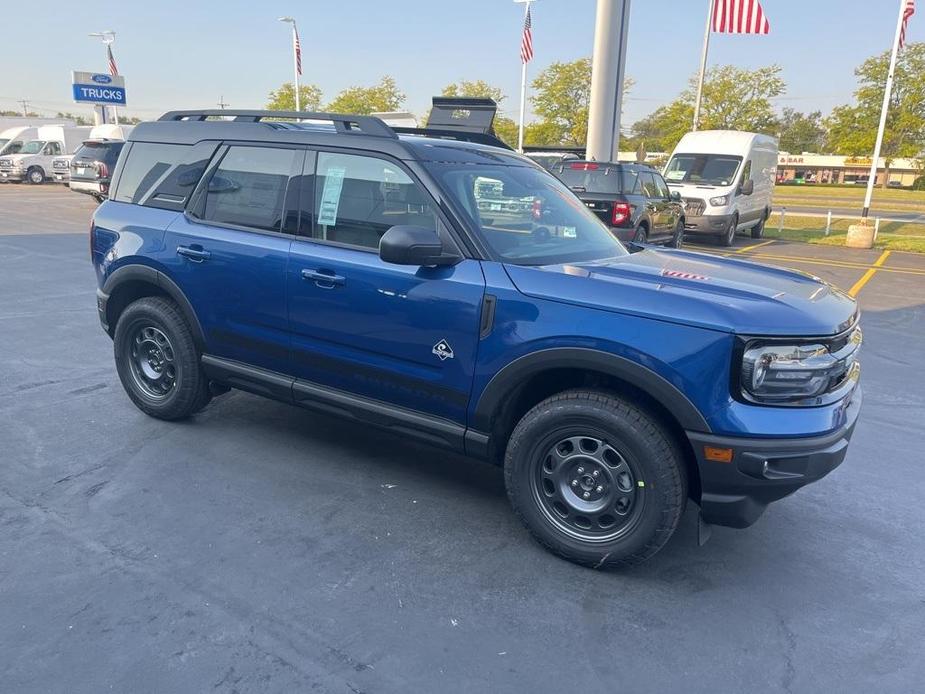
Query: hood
x=17, y=157
x=726, y=294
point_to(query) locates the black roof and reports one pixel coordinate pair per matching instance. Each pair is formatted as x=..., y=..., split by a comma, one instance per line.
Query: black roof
x=365, y=133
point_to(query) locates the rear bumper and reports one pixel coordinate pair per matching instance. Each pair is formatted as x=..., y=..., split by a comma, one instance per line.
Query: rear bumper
x=715, y=224
x=736, y=493
x=89, y=187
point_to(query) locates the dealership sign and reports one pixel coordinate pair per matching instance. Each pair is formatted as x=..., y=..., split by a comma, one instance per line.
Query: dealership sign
x=98, y=88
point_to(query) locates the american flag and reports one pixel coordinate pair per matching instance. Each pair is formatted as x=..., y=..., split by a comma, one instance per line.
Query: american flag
x=526, y=43
x=298, y=50
x=739, y=17
x=908, y=11
x=113, y=70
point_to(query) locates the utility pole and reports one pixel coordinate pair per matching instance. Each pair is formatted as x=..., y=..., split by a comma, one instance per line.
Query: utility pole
x=608, y=63
x=25, y=109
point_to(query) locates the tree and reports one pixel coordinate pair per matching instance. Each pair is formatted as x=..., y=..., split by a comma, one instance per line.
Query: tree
x=505, y=128
x=82, y=120
x=733, y=99
x=853, y=129
x=283, y=99
x=384, y=96
x=801, y=132
x=563, y=92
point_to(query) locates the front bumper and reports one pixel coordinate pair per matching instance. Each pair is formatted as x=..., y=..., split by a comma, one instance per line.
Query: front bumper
x=715, y=224
x=12, y=175
x=735, y=493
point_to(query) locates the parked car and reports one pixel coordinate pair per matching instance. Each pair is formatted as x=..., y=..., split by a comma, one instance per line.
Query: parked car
x=631, y=199
x=33, y=162
x=92, y=165
x=726, y=179
x=349, y=269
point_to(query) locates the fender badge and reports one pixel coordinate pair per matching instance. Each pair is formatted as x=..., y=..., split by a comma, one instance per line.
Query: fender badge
x=443, y=350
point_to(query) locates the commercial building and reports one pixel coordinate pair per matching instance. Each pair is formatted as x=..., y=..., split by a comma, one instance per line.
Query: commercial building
x=830, y=168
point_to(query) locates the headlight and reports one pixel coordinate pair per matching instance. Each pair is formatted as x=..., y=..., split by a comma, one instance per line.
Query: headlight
x=719, y=200
x=782, y=374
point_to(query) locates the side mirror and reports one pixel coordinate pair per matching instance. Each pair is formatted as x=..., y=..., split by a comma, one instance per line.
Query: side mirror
x=748, y=187
x=412, y=245
x=675, y=196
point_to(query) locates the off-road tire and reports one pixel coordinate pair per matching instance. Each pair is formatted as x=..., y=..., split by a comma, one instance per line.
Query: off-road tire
x=190, y=391
x=660, y=475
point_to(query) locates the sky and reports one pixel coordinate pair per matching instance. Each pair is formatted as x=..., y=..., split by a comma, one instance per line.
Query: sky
x=190, y=54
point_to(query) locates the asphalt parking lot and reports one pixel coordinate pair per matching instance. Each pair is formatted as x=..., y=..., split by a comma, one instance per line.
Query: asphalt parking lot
x=259, y=547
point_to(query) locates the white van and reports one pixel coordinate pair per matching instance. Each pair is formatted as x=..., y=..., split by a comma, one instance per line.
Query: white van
x=12, y=139
x=33, y=162
x=726, y=179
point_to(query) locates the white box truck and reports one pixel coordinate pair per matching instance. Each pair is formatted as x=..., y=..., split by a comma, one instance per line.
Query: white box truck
x=33, y=162
x=726, y=180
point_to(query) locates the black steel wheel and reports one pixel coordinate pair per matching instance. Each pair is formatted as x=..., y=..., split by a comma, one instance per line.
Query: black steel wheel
x=157, y=360
x=588, y=489
x=595, y=479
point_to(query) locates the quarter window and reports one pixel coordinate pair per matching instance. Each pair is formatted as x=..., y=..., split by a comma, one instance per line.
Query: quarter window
x=146, y=165
x=248, y=188
x=357, y=199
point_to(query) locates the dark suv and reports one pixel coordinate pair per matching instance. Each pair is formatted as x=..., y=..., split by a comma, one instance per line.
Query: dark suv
x=92, y=166
x=356, y=271
x=632, y=199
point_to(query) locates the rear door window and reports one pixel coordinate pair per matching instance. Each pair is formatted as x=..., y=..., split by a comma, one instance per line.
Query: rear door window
x=649, y=186
x=248, y=188
x=589, y=177
x=661, y=186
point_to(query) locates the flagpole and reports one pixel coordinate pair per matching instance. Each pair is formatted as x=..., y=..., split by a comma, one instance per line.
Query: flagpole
x=703, y=64
x=523, y=87
x=295, y=62
x=883, y=114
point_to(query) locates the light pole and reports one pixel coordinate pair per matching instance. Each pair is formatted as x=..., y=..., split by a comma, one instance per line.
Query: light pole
x=107, y=36
x=607, y=68
x=296, y=59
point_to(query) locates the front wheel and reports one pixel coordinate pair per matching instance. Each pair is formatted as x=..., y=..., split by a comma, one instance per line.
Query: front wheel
x=595, y=479
x=677, y=238
x=729, y=235
x=157, y=360
x=36, y=175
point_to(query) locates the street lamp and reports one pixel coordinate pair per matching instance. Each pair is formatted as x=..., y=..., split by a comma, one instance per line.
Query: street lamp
x=296, y=59
x=107, y=36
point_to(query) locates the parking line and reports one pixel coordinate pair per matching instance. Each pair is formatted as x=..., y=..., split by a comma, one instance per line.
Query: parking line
x=757, y=245
x=859, y=285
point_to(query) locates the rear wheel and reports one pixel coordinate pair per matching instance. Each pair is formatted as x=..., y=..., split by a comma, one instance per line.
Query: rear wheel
x=595, y=479
x=641, y=235
x=157, y=360
x=729, y=235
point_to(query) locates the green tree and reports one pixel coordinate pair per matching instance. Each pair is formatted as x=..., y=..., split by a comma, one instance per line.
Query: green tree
x=853, y=129
x=384, y=96
x=505, y=127
x=801, y=132
x=733, y=99
x=563, y=92
x=283, y=99
x=83, y=120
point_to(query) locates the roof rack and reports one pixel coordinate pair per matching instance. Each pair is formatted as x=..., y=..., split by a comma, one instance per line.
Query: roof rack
x=351, y=125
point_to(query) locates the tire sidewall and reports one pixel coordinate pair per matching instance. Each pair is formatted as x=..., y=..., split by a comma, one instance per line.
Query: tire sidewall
x=640, y=235
x=729, y=236
x=30, y=174
x=529, y=442
x=677, y=238
x=134, y=317
x=758, y=229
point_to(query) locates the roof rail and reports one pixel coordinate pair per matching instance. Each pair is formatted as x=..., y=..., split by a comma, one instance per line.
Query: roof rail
x=458, y=135
x=350, y=125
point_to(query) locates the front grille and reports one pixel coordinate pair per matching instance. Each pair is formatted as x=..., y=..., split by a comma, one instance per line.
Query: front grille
x=6, y=163
x=59, y=164
x=694, y=206
x=845, y=348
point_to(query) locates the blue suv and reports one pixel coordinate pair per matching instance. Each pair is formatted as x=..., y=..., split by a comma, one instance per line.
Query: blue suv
x=436, y=284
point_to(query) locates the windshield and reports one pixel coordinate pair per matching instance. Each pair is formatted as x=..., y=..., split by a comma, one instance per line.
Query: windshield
x=703, y=169
x=590, y=177
x=32, y=147
x=526, y=215
x=3, y=141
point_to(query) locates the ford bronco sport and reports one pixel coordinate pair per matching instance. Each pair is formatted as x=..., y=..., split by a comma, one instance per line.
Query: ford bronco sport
x=441, y=286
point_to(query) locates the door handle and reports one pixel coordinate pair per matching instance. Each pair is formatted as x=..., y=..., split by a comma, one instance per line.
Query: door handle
x=194, y=253
x=324, y=278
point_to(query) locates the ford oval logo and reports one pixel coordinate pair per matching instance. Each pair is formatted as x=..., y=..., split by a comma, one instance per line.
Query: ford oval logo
x=102, y=79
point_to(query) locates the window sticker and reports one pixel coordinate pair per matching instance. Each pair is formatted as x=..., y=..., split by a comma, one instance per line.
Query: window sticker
x=330, y=196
